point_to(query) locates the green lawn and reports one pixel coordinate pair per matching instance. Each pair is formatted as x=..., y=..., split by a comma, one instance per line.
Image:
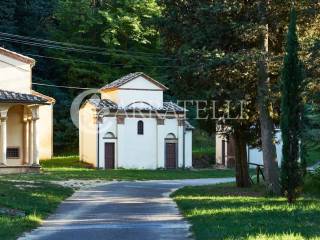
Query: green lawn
x=225, y=212
x=66, y=168
x=37, y=200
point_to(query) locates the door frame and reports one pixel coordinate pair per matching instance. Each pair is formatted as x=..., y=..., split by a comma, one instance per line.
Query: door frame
x=109, y=137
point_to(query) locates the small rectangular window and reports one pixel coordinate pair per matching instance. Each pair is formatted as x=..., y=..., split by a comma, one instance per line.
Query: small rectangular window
x=13, y=152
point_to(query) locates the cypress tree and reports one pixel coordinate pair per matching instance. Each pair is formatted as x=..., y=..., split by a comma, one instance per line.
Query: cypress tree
x=7, y=14
x=291, y=81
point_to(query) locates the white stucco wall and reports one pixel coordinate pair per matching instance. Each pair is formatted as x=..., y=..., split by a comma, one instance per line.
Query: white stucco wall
x=137, y=90
x=147, y=151
x=161, y=133
x=188, y=149
x=170, y=126
x=219, y=139
x=137, y=151
x=108, y=125
x=15, y=76
x=45, y=124
x=180, y=146
x=141, y=83
x=255, y=155
x=88, y=135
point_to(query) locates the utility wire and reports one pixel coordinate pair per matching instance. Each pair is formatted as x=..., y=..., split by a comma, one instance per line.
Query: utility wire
x=77, y=45
x=75, y=49
x=62, y=86
x=78, y=50
x=99, y=63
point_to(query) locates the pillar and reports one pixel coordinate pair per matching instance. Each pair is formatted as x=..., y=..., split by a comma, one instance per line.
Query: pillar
x=35, y=141
x=26, y=142
x=3, y=136
x=30, y=142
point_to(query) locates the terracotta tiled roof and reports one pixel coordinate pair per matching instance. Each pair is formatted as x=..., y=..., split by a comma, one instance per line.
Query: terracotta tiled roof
x=170, y=106
x=14, y=97
x=125, y=79
x=17, y=56
x=188, y=126
x=110, y=105
x=49, y=99
x=106, y=103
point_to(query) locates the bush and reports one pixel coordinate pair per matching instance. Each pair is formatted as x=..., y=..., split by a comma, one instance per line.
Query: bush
x=203, y=153
x=312, y=183
x=205, y=159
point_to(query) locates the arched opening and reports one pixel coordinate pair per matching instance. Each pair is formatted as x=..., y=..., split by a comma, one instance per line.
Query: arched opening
x=171, y=136
x=109, y=135
x=140, y=128
x=110, y=150
x=171, y=151
x=15, y=136
x=139, y=105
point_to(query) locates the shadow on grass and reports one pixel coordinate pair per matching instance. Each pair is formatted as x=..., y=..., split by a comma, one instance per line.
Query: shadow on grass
x=36, y=200
x=225, y=212
x=67, y=168
x=61, y=174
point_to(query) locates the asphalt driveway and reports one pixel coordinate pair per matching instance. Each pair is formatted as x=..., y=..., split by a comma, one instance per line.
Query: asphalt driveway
x=120, y=210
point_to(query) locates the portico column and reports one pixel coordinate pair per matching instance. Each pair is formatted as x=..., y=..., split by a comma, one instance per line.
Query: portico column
x=30, y=140
x=3, y=129
x=26, y=142
x=35, y=141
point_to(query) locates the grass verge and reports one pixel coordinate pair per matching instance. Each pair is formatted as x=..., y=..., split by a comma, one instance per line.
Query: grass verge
x=226, y=212
x=66, y=168
x=36, y=200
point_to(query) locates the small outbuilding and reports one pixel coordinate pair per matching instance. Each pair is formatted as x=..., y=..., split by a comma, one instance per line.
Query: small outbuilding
x=131, y=127
x=26, y=126
x=226, y=149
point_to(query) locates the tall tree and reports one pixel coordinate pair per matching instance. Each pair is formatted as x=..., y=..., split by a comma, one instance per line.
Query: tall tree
x=219, y=45
x=120, y=29
x=266, y=122
x=291, y=82
x=207, y=40
x=310, y=136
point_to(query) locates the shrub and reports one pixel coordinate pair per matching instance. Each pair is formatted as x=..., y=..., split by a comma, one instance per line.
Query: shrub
x=312, y=183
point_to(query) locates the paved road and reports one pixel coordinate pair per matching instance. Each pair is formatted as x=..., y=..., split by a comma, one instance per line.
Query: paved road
x=120, y=210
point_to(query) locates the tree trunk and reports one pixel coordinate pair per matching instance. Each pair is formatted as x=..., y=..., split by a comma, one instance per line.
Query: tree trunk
x=242, y=169
x=267, y=128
